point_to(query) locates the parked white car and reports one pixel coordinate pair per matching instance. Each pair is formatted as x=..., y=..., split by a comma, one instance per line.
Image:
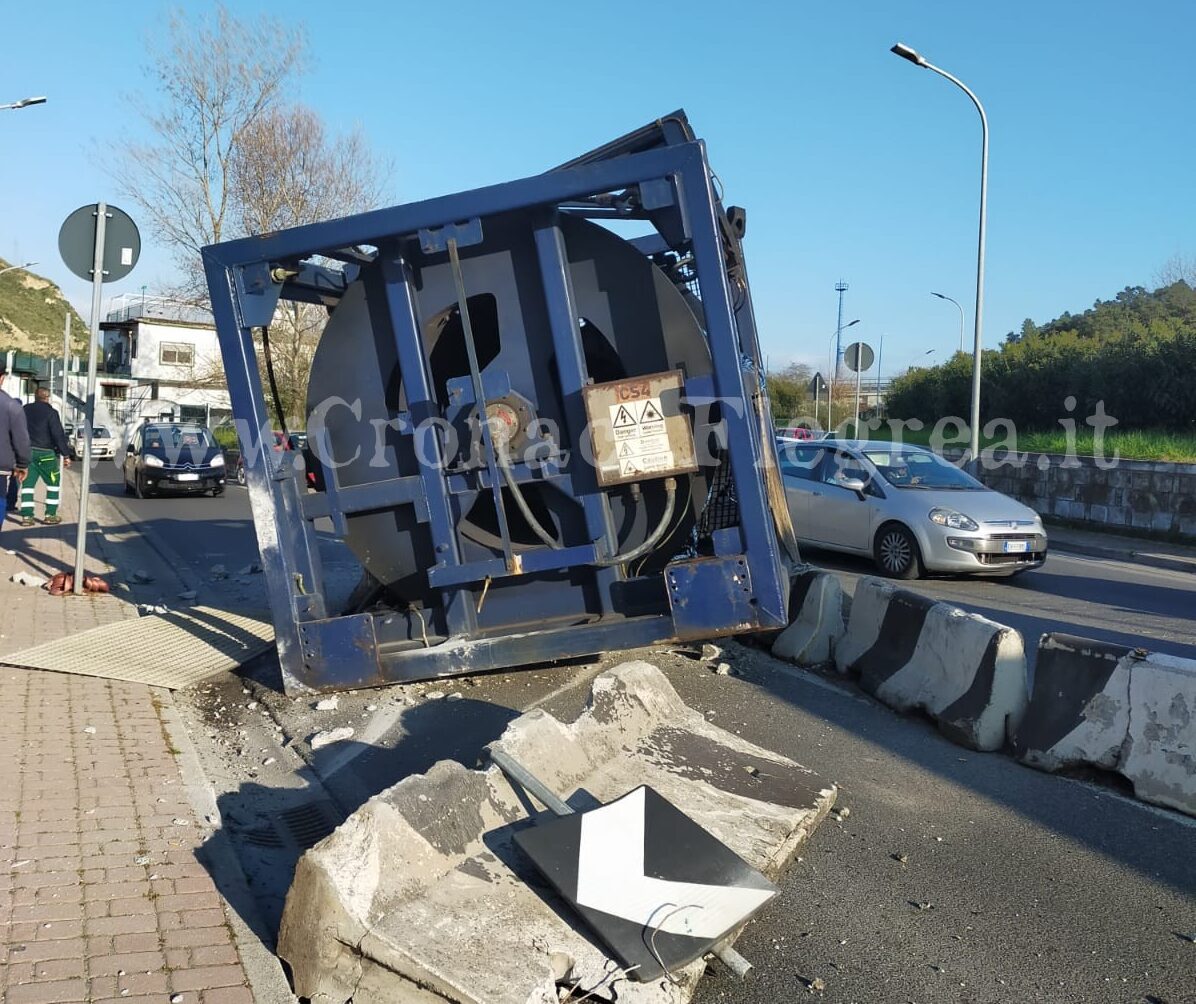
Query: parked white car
x=907, y=508
x=103, y=446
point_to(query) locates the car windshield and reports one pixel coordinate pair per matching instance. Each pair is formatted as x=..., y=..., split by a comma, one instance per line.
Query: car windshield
x=920, y=469
x=99, y=432
x=178, y=437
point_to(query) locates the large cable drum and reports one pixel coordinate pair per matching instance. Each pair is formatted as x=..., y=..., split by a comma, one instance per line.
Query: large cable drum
x=633, y=319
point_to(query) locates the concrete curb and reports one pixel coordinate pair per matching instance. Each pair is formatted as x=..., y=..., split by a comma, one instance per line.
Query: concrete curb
x=1117, y=708
x=1131, y=557
x=267, y=981
x=816, y=620
x=967, y=672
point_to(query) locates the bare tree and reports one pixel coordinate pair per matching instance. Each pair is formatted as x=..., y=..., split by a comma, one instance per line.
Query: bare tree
x=1175, y=269
x=212, y=79
x=287, y=171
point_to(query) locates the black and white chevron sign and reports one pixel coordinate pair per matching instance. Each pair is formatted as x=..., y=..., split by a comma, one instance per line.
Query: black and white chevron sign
x=653, y=885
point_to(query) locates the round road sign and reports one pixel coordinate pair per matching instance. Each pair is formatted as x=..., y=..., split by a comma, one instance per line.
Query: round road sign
x=122, y=242
x=858, y=357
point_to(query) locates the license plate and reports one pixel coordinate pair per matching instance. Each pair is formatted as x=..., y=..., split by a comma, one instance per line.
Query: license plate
x=1017, y=546
x=186, y=477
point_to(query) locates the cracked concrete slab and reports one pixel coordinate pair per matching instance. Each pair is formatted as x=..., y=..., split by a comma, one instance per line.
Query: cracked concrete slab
x=421, y=894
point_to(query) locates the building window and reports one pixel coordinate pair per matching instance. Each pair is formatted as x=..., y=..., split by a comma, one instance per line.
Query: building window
x=114, y=391
x=176, y=354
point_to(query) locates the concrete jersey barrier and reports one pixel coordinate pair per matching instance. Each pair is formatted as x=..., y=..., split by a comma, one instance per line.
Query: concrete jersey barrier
x=815, y=620
x=1118, y=708
x=1079, y=709
x=967, y=672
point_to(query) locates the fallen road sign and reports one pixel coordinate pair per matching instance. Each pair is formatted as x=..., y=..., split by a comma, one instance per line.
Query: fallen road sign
x=653, y=885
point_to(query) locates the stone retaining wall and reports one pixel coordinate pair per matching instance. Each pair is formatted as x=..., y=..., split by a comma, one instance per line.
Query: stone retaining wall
x=1134, y=494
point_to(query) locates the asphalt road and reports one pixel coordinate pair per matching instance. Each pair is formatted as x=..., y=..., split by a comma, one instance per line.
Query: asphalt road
x=957, y=877
x=1097, y=598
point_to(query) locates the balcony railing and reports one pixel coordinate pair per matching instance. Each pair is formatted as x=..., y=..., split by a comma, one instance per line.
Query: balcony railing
x=132, y=306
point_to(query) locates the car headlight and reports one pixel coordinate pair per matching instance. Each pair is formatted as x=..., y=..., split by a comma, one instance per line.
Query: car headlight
x=152, y=461
x=217, y=461
x=954, y=520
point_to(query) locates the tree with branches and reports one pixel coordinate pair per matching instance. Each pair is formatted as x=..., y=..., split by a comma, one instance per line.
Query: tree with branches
x=231, y=154
x=286, y=171
x=212, y=79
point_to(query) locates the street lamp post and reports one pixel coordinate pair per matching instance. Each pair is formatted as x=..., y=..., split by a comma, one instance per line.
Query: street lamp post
x=905, y=52
x=943, y=296
x=830, y=386
x=13, y=268
x=24, y=103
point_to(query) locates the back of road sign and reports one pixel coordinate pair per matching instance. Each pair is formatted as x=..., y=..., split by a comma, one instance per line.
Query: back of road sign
x=122, y=243
x=651, y=883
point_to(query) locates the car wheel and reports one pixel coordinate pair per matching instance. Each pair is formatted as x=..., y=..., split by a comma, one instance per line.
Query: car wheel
x=138, y=488
x=241, y=476
x=217, y=492
x=896, y=552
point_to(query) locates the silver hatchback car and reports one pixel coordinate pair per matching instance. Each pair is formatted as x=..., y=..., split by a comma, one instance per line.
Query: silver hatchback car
x=907, y=508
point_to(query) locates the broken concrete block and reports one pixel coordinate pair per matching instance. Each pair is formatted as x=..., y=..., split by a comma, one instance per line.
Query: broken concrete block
x=330, y=736
x=422, y=895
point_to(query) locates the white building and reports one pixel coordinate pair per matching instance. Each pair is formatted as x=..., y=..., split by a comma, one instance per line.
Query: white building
x=159, y=359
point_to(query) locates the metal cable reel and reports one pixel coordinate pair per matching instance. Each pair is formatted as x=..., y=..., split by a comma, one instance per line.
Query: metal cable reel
x=540, y=439
x=633, y=321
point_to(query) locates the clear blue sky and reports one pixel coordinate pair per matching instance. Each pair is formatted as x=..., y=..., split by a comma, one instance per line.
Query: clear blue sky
x=852, y=163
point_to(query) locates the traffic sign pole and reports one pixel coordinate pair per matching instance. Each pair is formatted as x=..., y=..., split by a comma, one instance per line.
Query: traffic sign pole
x=856, y=426
x=97, y=287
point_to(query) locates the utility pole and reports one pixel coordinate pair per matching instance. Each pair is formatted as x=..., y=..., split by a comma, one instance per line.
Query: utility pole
x=66, y=358
x=840, y=288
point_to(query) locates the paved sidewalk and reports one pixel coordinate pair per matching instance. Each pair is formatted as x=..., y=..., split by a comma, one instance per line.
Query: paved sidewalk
x=102, y=892
x=1117, y=547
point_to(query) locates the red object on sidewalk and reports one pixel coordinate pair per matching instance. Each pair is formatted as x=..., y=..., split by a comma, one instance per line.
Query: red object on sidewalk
x=63, y=583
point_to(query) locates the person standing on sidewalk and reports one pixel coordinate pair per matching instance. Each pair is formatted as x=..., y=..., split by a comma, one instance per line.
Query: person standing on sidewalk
x=14, y=443
x=49, y=453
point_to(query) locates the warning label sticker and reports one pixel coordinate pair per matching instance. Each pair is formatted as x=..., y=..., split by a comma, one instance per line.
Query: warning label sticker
x=641, y=437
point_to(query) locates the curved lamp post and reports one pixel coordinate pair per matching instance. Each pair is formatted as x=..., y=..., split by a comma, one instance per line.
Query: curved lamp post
x=905, y=52
x=11, y=268
x=943, y=296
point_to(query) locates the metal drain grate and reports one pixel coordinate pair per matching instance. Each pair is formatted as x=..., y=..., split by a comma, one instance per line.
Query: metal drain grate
x=309, y=824
x=297, y=828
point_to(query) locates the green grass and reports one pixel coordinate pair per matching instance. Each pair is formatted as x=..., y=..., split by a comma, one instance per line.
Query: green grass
x=1131, y=444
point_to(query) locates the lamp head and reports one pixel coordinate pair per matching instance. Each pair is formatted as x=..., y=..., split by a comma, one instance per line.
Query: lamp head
x=905, y=52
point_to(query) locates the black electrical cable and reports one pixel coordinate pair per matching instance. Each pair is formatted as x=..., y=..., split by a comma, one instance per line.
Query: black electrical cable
x=654, y=538
x=282, y=422
x=521, y=502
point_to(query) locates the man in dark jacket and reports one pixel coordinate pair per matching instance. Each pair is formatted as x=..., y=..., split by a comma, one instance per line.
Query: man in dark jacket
x=49, y=453
x=14, y=443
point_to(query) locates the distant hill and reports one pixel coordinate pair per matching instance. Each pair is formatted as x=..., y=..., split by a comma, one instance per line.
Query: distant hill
x=32, y=313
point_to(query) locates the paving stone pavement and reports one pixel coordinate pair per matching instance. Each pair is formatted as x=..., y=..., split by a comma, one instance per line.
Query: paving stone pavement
x=102, y=894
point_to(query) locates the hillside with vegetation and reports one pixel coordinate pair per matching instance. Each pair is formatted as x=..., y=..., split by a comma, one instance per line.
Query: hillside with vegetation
x=32, y=313
x=1135, y=353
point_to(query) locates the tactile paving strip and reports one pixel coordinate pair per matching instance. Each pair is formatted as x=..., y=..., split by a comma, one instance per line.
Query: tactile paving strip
x=173, y=650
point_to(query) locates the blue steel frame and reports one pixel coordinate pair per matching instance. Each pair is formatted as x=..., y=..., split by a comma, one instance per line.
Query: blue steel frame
x=745, y=588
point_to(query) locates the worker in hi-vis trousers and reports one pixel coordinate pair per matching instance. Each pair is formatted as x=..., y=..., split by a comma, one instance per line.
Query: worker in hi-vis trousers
x=49, y=453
